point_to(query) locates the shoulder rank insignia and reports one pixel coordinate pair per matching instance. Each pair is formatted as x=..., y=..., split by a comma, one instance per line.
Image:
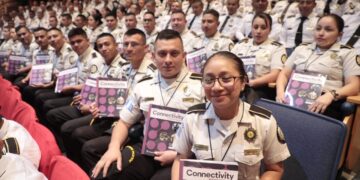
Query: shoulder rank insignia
x=196, y=76
x=283, y=58
x=358, y=60
x=124, y=63
x=276, y=43
x=280, y=135
x=11, y=145
x=69, y=49
x=145, y=78
x=304, y=44
x=291, y=16
x=94, y=55
x=152, y=67
x=250, y=135
x=194, y=33
x=345, y=47
x=245, y=40
x=260, y=111
x=200, y=108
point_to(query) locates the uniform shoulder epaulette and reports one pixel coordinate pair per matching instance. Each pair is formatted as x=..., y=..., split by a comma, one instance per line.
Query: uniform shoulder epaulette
x=11, y=145
x=223, y=36
x=197, y=108
x=304, y=44
x=239, y=16
x=345, y=47
x=148, y=77
x=94, y=55
x=290, y=16
x=69, y=49
x=276, y=43
x=124, y=63
x=260, y=111
x=194, y=33
x=152, y=67
x=245, y=40
x=196, y=76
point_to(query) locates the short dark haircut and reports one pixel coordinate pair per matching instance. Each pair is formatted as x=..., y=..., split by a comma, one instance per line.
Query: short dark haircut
x=67, y=16
x=266, y=17
x=20, y=27
x=84, y=18
x=55, y=29
x=110, y=15
x=197, y=1
x=97, y=18
x=168, y=34
x=130, y=14
x=178, y=11
x=339, y=21
x=149, y=12
x=213, y=12
x=106, y=35
x=40, y=29
x=135, y=31
x=77, y=31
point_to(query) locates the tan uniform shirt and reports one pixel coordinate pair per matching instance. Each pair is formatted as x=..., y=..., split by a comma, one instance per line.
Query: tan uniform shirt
x=214, y=44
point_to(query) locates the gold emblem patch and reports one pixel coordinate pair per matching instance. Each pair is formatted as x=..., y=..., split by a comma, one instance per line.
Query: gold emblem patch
x=93, y=69
x=283, y=58
x=250, y=135
x=358, y=60
x=280, y=135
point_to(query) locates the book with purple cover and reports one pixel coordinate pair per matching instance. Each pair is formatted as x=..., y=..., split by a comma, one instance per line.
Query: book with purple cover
x=42, y=58
x=191, y=169
x=41, y=74
x=67, y=77
x=111, y=96
x=160, y=128
x=16, y=62
x=249, y=65
x=88, y=92
x=196, y=59
x=4, y=56
x=303, y=89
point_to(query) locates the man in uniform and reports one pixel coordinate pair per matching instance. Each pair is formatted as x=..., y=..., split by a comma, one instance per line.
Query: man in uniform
x=112, y=28
x=299, y=28
x=194, y=20
x=66, y=24
x=212, y=40
x=351, y=32
x=65, y=58
x=150, y=28
x=230, y=22
x=189, y=38
x=171, y=86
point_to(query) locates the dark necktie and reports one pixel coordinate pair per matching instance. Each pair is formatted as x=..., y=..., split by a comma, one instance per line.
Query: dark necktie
x=192, y=21
x=224, y=24
x=187, y=10
x=167, y=24
x=327, y=7
x=299, y=32
x=207, y=6
x=354, y=38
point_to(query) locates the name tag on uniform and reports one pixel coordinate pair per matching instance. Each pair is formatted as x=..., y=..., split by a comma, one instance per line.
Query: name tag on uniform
x=148, y=99
x=188, y=99
x=249, y=152
x=201, y=147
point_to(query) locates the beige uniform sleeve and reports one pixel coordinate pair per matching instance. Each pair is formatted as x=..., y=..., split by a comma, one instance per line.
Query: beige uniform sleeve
x=278, y=57
x=351, y=64
x=183, y=138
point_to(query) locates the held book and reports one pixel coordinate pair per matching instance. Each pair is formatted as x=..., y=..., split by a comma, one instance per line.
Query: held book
x=303, y=88
x=67, y=77
x=249, y=65
x=42, y=58
x=4, y=56
x=195, y=60
x=88, y=92
x=111, y=96
x=160, y=128
x=41, y=74
x=16, y=62
x=191, y=169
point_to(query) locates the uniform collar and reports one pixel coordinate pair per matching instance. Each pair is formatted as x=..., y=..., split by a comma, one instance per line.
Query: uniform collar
x=144, y=64
x=266, y=42
x=117, y=60
x=335, y=47
x=86, y=53
x=215, y=37
x=64, y=48
x=179, y=77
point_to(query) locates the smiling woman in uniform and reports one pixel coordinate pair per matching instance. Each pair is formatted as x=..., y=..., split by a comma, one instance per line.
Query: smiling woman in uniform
x=228, y=129
x=325, y=56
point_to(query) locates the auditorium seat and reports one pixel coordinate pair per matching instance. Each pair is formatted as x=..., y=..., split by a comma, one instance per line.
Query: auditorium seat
x=62, y=168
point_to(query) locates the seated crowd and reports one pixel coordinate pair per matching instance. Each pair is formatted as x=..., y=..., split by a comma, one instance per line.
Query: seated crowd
x=210, y=58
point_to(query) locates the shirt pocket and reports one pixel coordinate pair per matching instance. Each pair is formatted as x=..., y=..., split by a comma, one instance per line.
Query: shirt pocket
x=249, y=165
x=146, y=102
x=202, y=154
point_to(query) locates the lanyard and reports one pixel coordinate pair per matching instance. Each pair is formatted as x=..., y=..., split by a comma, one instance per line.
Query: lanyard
x=172, y=93
x=232, y=138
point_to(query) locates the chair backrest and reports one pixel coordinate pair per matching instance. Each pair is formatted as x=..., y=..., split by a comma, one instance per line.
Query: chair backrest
x=315, y=141
x=63, y=168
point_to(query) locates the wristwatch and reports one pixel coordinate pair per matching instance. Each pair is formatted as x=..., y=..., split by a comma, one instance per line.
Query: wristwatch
x=334, y=94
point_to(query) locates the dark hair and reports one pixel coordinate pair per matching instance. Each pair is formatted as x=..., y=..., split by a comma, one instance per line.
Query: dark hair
x=135, y=31
x=55, y=29
x=84, y=18
x=339, y=21
x=20, y=27
x=213, y=12
x=106, y=35
x=231, y=57
x=77, y=31
x=197, y=1
x=168, y=34
x=97, y=18
x=178, y=11
x=40, y=29
x=266, y=17
x=130, y=14
x=149, y=12
x=122, y=9
x=67, y=16
x=111, y=14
